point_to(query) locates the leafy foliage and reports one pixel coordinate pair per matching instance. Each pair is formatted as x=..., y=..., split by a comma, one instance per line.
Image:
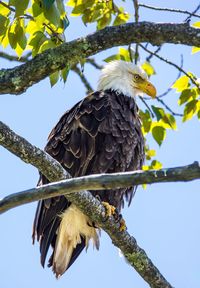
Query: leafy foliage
x=98, y=11
x=189, y=97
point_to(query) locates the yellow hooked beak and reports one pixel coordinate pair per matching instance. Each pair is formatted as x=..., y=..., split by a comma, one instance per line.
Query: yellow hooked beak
x=148, y=88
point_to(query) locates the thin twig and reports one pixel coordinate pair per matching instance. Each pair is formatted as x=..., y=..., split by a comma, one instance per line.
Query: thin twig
x=136, y=6
x=148, y=108
x=192, y=14
x=84, y=80
x=170, y=10
x=168, y=108
x=54, y=33
x=172, y=64
x=15, y=58
x=177, y=77
x=93, y=63
x=151, y=55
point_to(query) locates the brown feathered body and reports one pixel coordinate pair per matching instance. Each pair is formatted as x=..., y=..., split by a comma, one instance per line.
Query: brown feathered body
x=102, y=133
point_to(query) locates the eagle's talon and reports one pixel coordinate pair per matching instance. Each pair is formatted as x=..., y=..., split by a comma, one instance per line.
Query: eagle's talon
x=110, y=209
x=122, y=225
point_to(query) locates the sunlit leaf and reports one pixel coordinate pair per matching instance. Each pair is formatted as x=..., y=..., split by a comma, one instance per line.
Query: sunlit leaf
x=195, y=49
x=150, y=153
x=156, y=165
x=148, y=68
x=121, y=18
x=181, y=84
x=196, y=24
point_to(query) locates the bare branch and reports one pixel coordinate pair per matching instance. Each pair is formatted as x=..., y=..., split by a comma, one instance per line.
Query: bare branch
x=172, y=64
x=15, y=58
x=86, y=203
x=93, y=63
x=168, y=108
x=18, y=79
x=170, y=10
x=177, y=77
x=136, y=6
x=84, y=80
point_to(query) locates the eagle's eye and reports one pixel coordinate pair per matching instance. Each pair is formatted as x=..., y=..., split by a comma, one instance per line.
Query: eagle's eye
x=136, y=77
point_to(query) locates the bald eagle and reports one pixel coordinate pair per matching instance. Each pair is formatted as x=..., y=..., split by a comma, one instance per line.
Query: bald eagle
x=101, y=133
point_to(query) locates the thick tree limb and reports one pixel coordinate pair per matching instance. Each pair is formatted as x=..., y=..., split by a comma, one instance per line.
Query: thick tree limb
x=86, y=203
x=18, y=79
x=31, y=154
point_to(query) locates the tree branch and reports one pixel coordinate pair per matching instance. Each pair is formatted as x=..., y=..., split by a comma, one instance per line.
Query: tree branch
x=87, y=204
x=15, y=58
x=101, y=182
x=31, y=154
x=18, y=79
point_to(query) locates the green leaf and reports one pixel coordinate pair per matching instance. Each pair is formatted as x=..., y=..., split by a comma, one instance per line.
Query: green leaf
x=12, y=35
x=159, y=134
x=148, y=68
x=78, y=10
x=54, y=78
x=187, y=95
x=159, y=112
x=104, y=21
x=52, y=14
x=156, y=165
x=146, y=121
x=112, y=58
x=181, y=84
x=170, y=120
x=198, y=114
x=124, y=54
x=64, y=73
x=20, y=7
x=4, y=22
x=121, y=18
x=190, y=109
x=48, y=3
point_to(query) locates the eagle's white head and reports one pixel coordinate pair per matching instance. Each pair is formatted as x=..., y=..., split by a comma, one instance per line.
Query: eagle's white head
x=126, y=78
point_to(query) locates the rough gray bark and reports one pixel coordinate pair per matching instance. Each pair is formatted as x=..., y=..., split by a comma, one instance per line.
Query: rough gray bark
x=18, y=79
x=89, y=205
x=31, y=154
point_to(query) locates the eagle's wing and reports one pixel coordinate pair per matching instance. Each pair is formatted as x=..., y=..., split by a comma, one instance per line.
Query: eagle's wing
x=97, y=135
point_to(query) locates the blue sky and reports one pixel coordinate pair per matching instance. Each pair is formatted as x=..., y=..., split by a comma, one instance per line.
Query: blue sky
x=164, y=218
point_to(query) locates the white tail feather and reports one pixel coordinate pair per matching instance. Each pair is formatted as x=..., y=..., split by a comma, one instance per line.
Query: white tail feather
x=74, y=224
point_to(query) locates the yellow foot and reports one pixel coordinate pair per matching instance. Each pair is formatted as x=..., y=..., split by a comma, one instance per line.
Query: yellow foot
x=110, y=210
x=122, y=225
